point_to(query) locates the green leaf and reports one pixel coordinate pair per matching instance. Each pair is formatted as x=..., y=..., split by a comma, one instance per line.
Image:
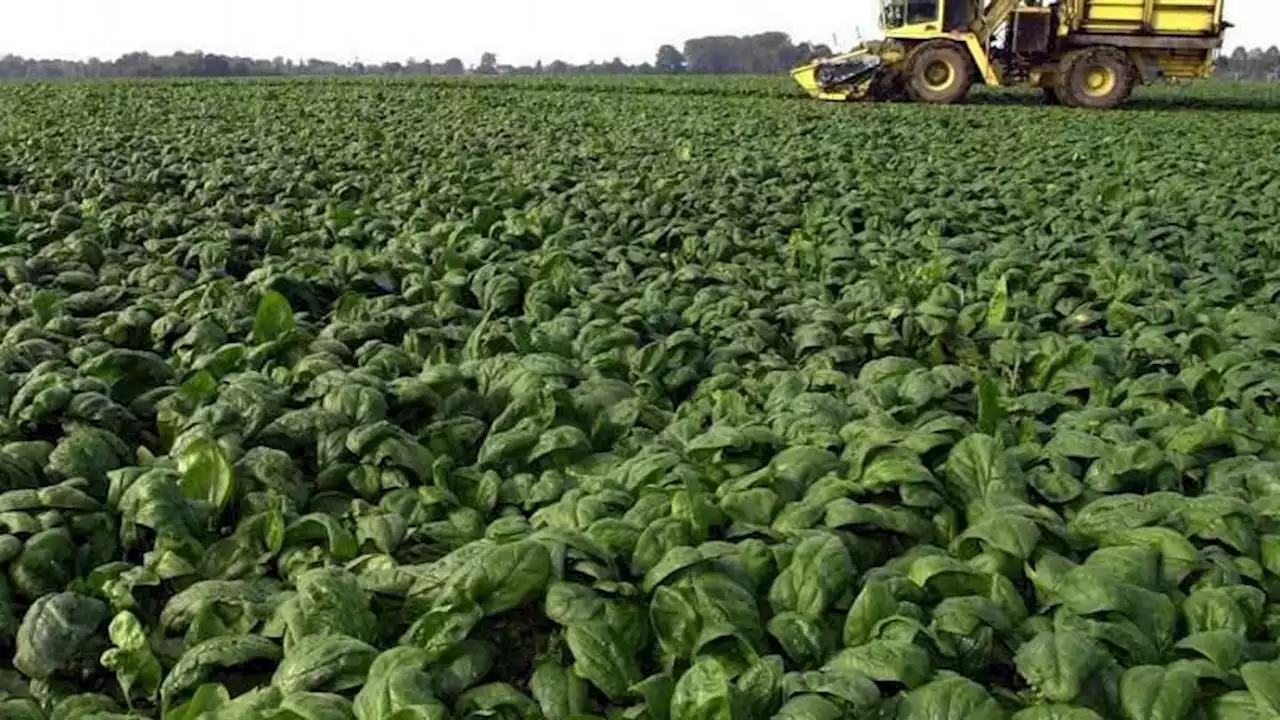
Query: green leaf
x=675, y=621
x=319, y=527
x=397, y=683
x=1223, y=648
x=703, y=693
x=1057, y=664
x=441, y=629
x=978, y=467
x=1151, y=692
x=998, y=305
x=874, y=603
x=1011, y=534
x=1233, y=608
x=56, y=633
x=885, y=661
x=601, y=658
x=853, y=690
x=656, y=691
x=274, y=318
x=1263, y=681
x=331, y=663
x=991, y=412
x=207, y=474
x=809, y=707
x=131, y=659
x=219, y=652
x=85, y=705
x=208, y=698
x=801, y=637
x=505, y=577
x=949, y=697
x=21, y=709
x=759, y=689
x=559, y=693
x=1056, y=712
x=328, y=601
x=819, y=573
x=315, y=706
x=496, y=700
x=470, y=663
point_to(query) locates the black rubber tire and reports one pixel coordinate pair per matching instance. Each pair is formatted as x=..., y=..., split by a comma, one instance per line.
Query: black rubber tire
x=1050, y=95
x=927, y=58
x=1072, y=83
x=886, y=85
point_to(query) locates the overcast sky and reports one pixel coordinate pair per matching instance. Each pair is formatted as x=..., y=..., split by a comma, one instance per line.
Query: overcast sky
x=519, y=31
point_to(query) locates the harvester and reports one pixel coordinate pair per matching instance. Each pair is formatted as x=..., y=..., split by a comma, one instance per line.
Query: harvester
x=1082, y=53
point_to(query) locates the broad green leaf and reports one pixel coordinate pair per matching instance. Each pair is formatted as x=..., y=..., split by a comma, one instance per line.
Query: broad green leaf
x=874, y=603
x=559, y=693
x=207, y=474
x=324, y=662
x=56, y=632
x=1150, y=692
x=398, y=684
x=978, y=467
x=1056, y=712
x=1263, y=681
x=274, y=318
x=1057, y=664
x=819, y=572
x=885, y=661
x=949, y=697
x=703, y=692
x=219, y=652
x=809, y=707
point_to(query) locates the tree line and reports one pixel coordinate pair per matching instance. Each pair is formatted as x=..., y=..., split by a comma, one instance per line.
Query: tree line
x=763, y=53
x=769, y=52
x=1255, y=64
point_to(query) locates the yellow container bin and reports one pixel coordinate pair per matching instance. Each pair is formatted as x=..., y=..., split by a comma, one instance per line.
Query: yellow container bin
x=1152, y=17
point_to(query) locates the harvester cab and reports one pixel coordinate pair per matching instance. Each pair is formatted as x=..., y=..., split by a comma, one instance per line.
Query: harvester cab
x=1087, y=53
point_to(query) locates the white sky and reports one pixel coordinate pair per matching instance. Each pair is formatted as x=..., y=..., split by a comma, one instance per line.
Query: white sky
x=519, y=31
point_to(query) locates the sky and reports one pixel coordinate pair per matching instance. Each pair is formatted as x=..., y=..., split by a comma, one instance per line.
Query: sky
x=518, y=31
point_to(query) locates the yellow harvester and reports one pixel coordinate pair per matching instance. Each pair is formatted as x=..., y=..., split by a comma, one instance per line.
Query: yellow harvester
x=1084, y=53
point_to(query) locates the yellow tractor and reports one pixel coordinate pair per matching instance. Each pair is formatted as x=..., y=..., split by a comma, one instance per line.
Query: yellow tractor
x=1083, y=53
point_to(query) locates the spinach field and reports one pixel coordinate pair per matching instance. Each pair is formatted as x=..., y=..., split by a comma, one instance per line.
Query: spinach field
x=636, y=398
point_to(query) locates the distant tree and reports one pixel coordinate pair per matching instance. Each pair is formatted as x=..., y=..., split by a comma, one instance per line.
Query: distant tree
x=718, y=54
x=769, y=53
x=764, y=53
x=669, y=60
x=1250, y=64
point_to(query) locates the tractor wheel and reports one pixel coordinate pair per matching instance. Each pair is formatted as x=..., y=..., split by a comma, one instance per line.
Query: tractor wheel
x=1050, y=95
x=939, y=72
x=886, y=85
x=1098, y=77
